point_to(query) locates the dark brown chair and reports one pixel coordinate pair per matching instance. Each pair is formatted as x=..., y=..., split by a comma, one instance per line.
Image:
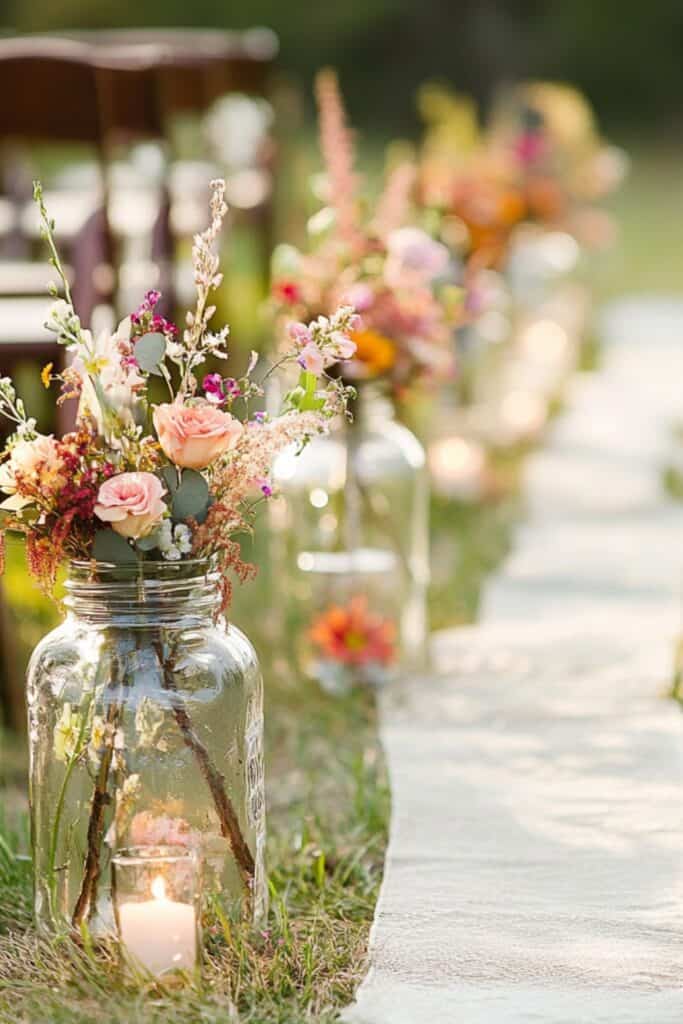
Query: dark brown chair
x=195, y=68
x=54, y=100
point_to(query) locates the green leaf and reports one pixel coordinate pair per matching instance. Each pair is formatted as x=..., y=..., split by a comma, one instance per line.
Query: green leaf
x=112, y=547
x=191, y=497
x=149, y=351
x=148, y=543
x=169, y=475
x=201, y=517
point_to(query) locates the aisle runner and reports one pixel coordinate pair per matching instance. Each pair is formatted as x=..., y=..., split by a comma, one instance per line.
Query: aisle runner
x=535, y=866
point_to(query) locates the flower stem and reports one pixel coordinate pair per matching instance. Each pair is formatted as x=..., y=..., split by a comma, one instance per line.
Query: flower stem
x=227, y=816
x=54, y=837
x=100, y=799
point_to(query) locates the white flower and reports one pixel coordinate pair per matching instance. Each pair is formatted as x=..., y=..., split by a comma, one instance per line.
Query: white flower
x=174, y=542
x=107, y=360
x=131, y=788
x=149, y=723
x=66, y=733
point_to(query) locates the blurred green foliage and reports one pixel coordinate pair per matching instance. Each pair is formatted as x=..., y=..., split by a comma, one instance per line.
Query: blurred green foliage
x=625, y=54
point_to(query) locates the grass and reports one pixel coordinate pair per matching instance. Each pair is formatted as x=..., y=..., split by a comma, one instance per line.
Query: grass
x=327, y=839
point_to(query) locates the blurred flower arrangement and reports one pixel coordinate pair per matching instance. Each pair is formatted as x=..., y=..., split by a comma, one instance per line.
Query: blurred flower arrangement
x=353, y=643
x=399, y=279
x=540, y=161
x=179, y=479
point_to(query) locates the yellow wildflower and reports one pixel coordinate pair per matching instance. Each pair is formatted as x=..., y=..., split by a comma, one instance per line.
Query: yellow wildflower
x=46, y=375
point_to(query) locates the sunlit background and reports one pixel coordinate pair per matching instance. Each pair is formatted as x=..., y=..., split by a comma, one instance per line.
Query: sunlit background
x=626, y=57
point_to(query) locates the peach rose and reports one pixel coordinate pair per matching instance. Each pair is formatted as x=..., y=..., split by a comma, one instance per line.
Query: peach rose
x=132, y=503
x=38, y=462
x=192, y=436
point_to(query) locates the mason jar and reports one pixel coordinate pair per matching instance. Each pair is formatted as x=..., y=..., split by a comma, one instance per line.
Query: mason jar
x=146, y=729
x=351, y=542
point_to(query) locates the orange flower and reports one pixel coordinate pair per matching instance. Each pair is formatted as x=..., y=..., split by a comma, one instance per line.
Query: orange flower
x=375, y=351
x=46, y=375
x=353, y=635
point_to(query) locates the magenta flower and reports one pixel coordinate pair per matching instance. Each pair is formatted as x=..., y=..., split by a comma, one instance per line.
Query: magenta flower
x=529, y=147
x=213, y=388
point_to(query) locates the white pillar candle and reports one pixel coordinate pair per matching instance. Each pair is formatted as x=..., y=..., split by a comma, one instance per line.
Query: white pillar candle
x=160, y=933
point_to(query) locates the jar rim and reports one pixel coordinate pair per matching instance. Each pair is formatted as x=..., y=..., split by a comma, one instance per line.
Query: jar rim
x=145, y=591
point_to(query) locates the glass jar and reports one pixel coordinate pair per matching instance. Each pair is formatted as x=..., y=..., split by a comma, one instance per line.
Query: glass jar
x=351, y=548
x=146, y=729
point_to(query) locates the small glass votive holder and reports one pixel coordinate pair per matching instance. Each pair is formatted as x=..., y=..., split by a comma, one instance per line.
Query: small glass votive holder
x=156, y=894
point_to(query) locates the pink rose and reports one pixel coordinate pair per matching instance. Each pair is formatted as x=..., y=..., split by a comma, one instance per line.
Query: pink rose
x=132, y=503
x=193, y=436
x=38, y=463
x=311, y=359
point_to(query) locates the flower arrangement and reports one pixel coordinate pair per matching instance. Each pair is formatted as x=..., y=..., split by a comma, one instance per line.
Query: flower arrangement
x=400, y=280
x=540, y=161
x=173, y=480
x=353, y=642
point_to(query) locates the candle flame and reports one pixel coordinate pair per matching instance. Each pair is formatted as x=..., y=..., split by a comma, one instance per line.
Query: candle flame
x=159, y=888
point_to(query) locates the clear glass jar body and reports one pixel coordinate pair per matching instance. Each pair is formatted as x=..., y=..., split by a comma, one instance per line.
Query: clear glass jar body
x=351, y=548
x=146, y=729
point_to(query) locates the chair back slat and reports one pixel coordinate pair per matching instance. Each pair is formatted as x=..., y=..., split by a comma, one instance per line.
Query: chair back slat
x=43, y=83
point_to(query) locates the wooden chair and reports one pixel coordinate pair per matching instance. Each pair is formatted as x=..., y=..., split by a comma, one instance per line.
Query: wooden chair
x=195, y=68
x=30, y=72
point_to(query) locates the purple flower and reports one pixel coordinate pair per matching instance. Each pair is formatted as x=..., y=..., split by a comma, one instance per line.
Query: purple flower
x=413, y=254
x=361, y=296
x=265, y=487
x=260, y=417
x=152, y=297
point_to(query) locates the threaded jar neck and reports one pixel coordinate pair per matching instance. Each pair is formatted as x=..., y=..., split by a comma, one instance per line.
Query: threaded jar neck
x=145, y=594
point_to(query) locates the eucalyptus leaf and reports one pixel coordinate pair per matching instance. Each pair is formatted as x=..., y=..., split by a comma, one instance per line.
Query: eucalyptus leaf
x=169, y=475
x=112, y=547
x=148, y=543
x=150, y=349
x=202, y=515
x=191, y=497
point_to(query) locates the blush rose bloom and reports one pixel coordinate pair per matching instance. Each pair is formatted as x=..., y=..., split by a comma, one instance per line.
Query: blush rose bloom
x=132, y=503
x=38, y=462
x=192, y=436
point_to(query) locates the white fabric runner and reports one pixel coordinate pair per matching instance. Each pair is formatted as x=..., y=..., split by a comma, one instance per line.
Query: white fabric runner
x=535, y=864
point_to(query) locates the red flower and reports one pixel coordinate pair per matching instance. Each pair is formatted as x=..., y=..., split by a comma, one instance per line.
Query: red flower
x=353, y=635
x=287, y=292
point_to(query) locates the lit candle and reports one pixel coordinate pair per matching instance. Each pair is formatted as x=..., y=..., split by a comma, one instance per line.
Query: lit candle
x=160, y=933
